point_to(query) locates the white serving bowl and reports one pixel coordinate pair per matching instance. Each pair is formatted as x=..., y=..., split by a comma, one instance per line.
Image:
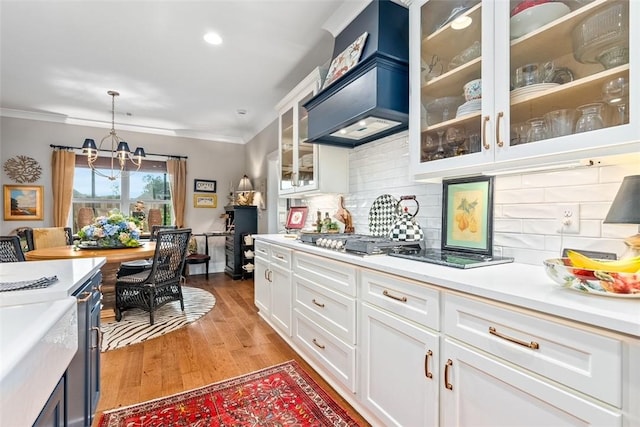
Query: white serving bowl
x=535, y=17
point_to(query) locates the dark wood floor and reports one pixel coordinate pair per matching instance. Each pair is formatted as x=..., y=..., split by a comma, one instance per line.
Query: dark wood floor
x=229, y=341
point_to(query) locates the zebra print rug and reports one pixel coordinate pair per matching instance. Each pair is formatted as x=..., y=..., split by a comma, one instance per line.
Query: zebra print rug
x=134, y=326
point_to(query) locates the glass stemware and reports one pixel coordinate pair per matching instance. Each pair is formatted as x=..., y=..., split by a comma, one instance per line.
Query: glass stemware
x=616, y=93
x=439, y=154
x=456, y=137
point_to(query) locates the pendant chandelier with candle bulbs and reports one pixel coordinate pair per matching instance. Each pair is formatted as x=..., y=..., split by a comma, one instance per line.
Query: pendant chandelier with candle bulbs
x=120, y=152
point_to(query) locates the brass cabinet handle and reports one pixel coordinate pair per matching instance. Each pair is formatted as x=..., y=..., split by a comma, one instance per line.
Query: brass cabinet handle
x=387, y=294
x=280, y=257
x=317, y=303
x=85, y=296
x=447, y=384
x=270, y=277
x=533, y=345
x=426, y=364
x=500, y=116
x=317, y=344
x=484, y=132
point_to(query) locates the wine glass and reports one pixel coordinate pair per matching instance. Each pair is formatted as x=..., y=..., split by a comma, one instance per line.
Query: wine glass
x=456, y=137
x=616, y=93
x=439, y=154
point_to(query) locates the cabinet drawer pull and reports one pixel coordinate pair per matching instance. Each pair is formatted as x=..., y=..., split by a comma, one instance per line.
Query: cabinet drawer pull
x=280, y=257
x=449, y=365
x=84, y=297
x=387, y=294
x=533, y=345
x=317, y=303
x=317, y=344
x=484, y=132
x=498, y=120
x=98, y=337
x=426, y=364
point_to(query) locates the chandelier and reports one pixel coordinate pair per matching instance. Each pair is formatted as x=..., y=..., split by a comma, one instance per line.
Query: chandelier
x=120, y=152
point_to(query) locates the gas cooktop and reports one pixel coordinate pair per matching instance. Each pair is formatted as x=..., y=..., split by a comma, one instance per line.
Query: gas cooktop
x=360, y=244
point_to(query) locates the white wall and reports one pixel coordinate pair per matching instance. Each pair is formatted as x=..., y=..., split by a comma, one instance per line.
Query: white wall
x=526, y=205
x=222, y=162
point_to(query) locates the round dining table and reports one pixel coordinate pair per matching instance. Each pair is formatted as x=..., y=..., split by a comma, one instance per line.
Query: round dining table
x=113, y=256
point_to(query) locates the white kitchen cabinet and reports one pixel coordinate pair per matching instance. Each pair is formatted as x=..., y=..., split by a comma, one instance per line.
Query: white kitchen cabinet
x=272, y=285
x=494, y=139
x=324, y=325
x=479, y=390
x=404, y=316
x=530, y=371
x=307, y=168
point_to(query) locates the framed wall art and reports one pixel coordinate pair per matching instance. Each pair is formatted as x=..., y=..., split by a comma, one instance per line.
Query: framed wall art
x=204, y=186
x=347, y=59
x=23, y=203
x=205, y=201
x=296, y=218
x=467, y=214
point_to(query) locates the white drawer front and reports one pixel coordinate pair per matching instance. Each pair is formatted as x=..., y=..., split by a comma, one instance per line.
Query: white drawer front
x=322, y=271
x=582, y=360
x=405, y=298
x=281, y=256
x=334, y=355
x=334, y=311
x=262, y=250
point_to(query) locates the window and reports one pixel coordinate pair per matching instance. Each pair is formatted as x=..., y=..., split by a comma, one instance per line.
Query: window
x=150, y=184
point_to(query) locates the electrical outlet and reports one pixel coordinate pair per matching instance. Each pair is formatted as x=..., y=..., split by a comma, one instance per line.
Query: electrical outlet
x=568, y=217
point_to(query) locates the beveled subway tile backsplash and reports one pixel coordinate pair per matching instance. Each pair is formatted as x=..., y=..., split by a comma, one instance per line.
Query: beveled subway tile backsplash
x=525, y=205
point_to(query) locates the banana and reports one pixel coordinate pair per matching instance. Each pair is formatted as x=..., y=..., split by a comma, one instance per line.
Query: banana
x=629, y=265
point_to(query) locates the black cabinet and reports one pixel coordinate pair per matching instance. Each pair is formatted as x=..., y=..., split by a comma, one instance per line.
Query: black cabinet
x=244, y=221
x=83, y=374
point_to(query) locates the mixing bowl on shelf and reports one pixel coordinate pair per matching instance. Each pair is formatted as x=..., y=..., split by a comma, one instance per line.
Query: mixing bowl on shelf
x=603, y=37
x=443, y=109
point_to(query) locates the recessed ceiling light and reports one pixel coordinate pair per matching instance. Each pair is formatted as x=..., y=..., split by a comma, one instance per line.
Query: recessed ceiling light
x=213, y=38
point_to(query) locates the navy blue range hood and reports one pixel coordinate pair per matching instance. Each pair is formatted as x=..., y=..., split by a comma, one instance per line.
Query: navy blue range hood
x=371, y=100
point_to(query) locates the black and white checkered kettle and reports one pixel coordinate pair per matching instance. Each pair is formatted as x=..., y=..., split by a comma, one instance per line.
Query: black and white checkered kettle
x=406, y=228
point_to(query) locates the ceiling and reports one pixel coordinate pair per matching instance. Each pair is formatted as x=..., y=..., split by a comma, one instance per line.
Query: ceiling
x=59, y=58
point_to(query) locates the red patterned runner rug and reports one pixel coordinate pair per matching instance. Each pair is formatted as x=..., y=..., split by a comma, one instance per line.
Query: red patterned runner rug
x=276, y=396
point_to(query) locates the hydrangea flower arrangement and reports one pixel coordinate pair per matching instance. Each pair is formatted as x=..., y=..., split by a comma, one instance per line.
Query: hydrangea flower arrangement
x=114, y=230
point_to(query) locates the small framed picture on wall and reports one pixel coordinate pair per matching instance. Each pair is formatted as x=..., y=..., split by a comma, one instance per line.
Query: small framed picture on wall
x=205, y=201
x=204, y=186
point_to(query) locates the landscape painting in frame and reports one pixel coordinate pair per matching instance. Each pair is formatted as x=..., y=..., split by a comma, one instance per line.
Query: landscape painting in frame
x=23, y=203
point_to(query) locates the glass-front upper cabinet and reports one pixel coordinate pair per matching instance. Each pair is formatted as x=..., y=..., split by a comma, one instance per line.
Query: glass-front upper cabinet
x=454, y=41
x=521, y=83
x=307, y=168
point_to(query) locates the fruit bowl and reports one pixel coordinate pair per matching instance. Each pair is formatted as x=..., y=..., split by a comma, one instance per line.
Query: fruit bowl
x=615, y=284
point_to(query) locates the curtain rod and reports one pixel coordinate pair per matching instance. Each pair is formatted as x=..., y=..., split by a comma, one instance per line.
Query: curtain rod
x=66, y=147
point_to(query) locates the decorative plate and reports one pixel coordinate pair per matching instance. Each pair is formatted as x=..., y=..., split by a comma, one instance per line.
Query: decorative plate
x=382, y=215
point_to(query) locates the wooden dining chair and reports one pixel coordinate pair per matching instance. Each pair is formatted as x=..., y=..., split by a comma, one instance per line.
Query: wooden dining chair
x=160, y=285
x=48, y=237
x=10, y=250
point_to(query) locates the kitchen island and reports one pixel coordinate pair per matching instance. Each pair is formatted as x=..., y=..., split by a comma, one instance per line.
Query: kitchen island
x=372, y=324
x=44, y=342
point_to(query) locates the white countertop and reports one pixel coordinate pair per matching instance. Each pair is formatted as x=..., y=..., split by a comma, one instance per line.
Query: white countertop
x=522, y=285
x=71, y=274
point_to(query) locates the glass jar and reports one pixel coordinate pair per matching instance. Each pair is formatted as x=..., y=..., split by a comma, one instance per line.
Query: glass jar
x=537, y=129
x=591, y=118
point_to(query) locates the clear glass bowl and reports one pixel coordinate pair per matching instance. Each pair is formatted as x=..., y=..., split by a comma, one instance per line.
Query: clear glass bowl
x=603, y=37
x=443, y=109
